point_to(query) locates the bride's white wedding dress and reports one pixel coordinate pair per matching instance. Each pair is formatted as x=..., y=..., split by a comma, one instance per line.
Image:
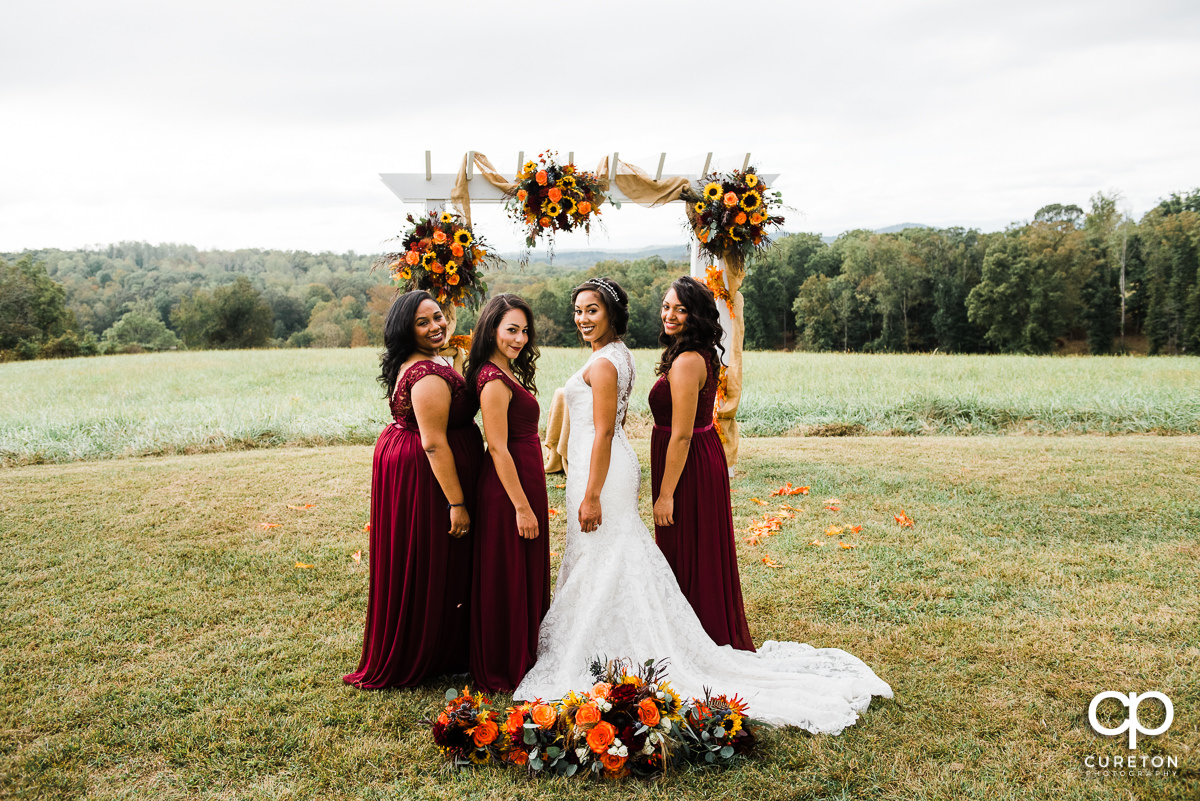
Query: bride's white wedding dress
x=617, y=597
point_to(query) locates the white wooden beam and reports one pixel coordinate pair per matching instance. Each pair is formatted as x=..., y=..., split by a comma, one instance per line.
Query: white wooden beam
x=416, y=188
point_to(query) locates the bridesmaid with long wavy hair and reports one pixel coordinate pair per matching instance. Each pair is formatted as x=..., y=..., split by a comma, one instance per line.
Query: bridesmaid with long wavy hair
x=422, y=493
x=510, y=591
x=689, y=477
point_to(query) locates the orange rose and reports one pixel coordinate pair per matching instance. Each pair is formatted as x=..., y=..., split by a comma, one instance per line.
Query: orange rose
x=452, y=279
x=485, y=733
x=648, y=712
x=756, y=218
x=600, y=690
x=731, y=199
x=439, y=237
x=457, y=250
x=555, y=194
x=698, y=714
x=544, y=715
x=740, y=219
x=541, y=177
x=704, y=235
x=585, y=207
x=544, y=222
x=518, y=757
x=600, y=736
x=515, y=722
x=587, y=715
x=442, y=719
x=612, y=762
x=477, y=253
x=411, y=257
x=521, y=195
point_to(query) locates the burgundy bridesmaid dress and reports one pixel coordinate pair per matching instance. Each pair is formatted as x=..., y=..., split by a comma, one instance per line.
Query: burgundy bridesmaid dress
x=700, y=547
x=511, y=588
x=420, y=588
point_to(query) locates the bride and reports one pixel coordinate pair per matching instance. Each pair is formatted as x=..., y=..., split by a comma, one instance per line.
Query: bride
x=616, y=595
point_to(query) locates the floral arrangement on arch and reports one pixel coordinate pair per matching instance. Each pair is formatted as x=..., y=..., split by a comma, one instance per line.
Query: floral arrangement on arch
x=441, y=255
x=732, y=215
x=629, y=723
x=550, y=197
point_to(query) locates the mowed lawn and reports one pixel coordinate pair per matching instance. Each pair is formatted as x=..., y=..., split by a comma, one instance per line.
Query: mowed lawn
x=157, y=641
x=204, y=401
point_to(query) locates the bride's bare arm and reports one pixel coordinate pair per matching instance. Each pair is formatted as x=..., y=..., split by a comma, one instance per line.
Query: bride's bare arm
x=602, y=376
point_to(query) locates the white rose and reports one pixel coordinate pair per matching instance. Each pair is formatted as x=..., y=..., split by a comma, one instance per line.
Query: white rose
x=616, y=742
x=623, y=751
x=648, y=748
x=581, y=753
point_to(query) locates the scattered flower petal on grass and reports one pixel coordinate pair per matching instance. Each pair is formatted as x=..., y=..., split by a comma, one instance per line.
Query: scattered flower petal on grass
x=817, y=543
x=560, y=486
x=356, y=556
x=846, y=545
x=769, y=562
x=367, y=528
x=268, y=525
x=856, y=529
x=788, y=489
x=554, y=553
x=833, y=531
x=904, y=520
x=760, y=503
x=303, y=566
x=552, y=511
x=302, y=506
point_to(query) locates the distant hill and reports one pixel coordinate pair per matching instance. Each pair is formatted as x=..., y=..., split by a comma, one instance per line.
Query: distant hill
x=891, y=229
x=583, y=259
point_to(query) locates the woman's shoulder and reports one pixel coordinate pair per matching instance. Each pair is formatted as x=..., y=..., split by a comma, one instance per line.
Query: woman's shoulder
x=489, y=372
x=428, y=367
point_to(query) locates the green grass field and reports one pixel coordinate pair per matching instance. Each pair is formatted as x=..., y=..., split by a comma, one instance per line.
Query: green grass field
x=157, y=642
x=155, y=404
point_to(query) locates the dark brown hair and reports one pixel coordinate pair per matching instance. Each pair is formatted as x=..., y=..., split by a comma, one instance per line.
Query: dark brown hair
x=703, y=331
x=483, y=341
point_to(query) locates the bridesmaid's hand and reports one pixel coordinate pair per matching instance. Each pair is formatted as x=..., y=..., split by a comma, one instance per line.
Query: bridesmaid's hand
x=664, y=510
x=527, y=524
x=589, y=514
x=460, y=521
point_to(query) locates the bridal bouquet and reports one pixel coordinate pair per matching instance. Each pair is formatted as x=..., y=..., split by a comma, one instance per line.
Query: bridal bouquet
x=550, y=197
x=466, y=731
x=716, y=729
x=732, y=214
x=440, y=254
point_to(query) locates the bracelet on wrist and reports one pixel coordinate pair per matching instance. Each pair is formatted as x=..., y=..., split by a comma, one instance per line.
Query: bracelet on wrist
x=452, y=505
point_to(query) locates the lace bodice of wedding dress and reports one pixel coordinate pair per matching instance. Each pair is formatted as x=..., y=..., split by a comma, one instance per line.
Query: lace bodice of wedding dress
x=617, y=597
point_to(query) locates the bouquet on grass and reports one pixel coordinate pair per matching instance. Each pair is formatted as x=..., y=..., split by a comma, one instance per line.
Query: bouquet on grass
x=550, y=197
x=732, y=215
x=466, y=731
x=440, y=254
x=717, y=730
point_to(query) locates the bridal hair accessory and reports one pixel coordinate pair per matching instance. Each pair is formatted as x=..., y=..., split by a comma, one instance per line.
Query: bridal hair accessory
x=607, y=286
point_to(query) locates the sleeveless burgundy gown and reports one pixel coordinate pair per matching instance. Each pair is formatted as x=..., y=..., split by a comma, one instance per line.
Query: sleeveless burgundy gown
x=700, y=547
x=511, y=588
x=417, y=609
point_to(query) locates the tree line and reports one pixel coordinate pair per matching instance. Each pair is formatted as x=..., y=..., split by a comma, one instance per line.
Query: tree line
x=1095, y=277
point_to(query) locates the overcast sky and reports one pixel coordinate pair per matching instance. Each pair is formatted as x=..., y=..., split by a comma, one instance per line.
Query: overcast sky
x=266, y=124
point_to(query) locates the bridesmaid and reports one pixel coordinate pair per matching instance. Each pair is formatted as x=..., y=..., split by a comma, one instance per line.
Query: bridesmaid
x=511, y=588
x=689, y=478
x=422, y=486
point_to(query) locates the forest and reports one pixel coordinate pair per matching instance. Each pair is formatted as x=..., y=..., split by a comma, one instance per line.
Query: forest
x=1069, y=280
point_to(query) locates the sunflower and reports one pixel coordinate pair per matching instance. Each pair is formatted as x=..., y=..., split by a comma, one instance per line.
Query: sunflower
x=712, y=191
x=452, y=266
x=551, y=209
x=751, y=180
x=480, y=756
x=569, y=204
x=566, y=180
x=700, y=207
x=751, y=200
x=447, y=217
x=462, y=237
x=429, y=258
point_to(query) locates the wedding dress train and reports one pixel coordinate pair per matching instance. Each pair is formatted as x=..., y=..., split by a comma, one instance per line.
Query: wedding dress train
x=617, y=597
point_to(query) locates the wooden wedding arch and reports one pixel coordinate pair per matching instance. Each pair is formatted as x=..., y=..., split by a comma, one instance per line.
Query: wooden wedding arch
x=477, y=181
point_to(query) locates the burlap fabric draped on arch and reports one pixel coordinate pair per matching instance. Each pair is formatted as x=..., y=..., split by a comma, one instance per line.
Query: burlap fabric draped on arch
x=637, y=185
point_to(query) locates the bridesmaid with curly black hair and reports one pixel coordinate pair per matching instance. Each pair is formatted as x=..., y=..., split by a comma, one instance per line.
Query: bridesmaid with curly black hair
x=693, y=518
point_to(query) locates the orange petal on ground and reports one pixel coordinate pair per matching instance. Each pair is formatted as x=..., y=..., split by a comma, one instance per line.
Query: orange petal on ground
x=303, y=566
x=552, y=511
x=554, y=553
x=799, y=491
x=560, y=486
x=760, y=503
x=367, y=528
x=904, y=520
x=856, y=529
x=769, y=562
x=356, y=556
x=833, y=531
x=833, y=508
x=817, y=543
x=846, y=545
x=302, y=506
x=268, y=525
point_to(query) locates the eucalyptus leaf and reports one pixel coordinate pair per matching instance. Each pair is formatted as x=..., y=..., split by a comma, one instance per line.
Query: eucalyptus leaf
x=571, y=768
x=719, y=732
x=451, y=694
x=554, y=752
x=530, y=738
x=709, y=757
x=536, y=764
x=727, y=752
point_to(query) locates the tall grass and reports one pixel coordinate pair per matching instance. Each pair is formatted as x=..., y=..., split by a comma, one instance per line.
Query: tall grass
x=73, y=409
